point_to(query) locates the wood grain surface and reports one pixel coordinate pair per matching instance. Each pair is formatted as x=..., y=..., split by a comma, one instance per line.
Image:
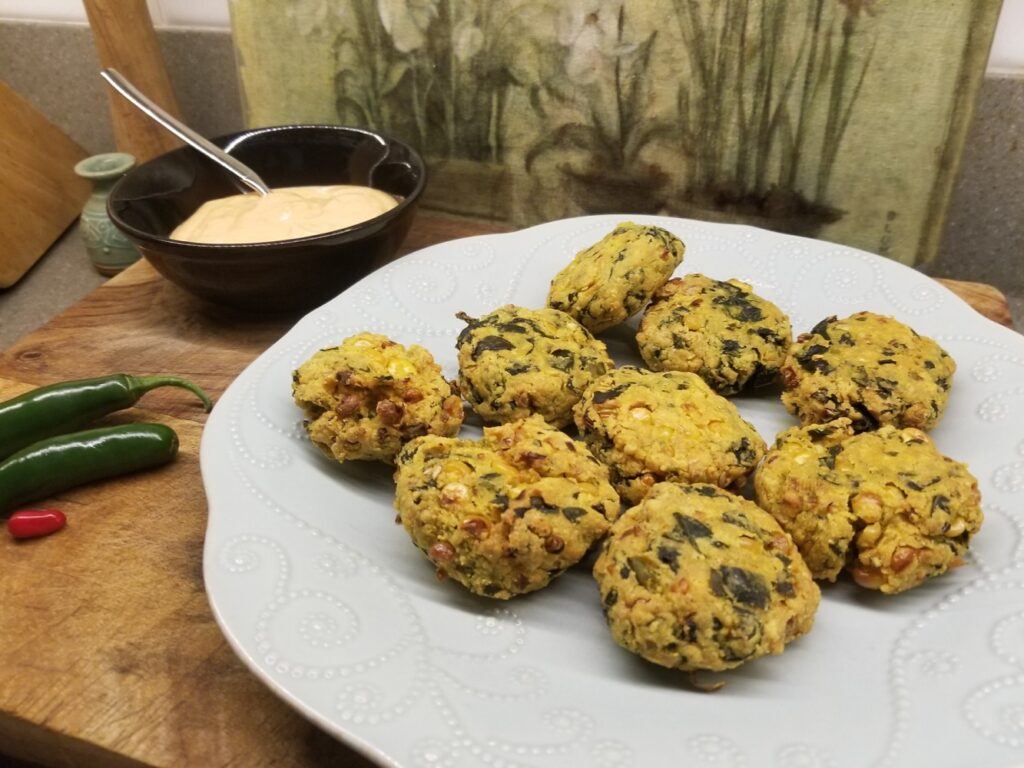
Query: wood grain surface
x=986, y=299
x=123, y=33
x=40, y=194
x=109, y=655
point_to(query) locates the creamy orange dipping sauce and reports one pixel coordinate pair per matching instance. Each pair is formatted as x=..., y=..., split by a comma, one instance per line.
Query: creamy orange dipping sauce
x=284, y=214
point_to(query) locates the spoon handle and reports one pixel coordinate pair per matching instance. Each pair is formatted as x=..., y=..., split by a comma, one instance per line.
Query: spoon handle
x=244, y=173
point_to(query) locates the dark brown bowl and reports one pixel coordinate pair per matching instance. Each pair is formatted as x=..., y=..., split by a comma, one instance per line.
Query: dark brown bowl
x=153, y=199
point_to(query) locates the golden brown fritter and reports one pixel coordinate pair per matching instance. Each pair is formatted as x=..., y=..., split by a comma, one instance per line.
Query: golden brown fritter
x=368, y=396
x=648, y=427
x=505, y=515
x=885, y=505
x=720, y=330
x=515, y=362
x=868, y=368
x=697, y=578
x=615, y=278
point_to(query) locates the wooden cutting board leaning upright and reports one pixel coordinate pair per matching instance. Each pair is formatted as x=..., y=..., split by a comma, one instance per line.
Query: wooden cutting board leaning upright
x=125, y=40
x=40, y=195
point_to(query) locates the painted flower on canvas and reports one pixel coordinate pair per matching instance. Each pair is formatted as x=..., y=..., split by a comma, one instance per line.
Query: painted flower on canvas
x=407, y=21
x=588, y=29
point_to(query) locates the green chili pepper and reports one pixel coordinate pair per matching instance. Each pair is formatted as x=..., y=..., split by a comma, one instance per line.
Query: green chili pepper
x=62, y=462
x=69, y=406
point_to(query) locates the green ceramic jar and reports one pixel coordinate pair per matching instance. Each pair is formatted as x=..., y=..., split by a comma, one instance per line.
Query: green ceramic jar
x=108, y=249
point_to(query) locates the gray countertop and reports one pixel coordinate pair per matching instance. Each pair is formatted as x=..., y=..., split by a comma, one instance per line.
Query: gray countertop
x=59, y=279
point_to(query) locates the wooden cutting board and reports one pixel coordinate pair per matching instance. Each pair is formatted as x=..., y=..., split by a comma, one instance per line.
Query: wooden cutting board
x=40, y=194
x=125, y=40
x=109, y=653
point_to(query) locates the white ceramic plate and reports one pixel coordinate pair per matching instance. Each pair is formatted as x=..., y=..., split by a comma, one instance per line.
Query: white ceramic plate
x=326, y=599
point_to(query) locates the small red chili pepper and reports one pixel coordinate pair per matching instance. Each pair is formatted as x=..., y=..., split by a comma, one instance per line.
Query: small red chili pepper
x=33, y=523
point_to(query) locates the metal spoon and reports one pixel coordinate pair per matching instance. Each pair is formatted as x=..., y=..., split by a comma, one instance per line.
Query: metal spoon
x=233, y=165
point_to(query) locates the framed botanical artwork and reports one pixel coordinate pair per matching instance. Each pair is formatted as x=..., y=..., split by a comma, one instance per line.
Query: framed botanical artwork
x=838, y=119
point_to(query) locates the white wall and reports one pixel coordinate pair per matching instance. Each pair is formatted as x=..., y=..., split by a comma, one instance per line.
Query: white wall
x=1007, y=49
x=209, y=14
x=1008, y=46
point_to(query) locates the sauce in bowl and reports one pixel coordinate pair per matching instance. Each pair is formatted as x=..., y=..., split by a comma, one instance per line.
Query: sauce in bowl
x=284, y=214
